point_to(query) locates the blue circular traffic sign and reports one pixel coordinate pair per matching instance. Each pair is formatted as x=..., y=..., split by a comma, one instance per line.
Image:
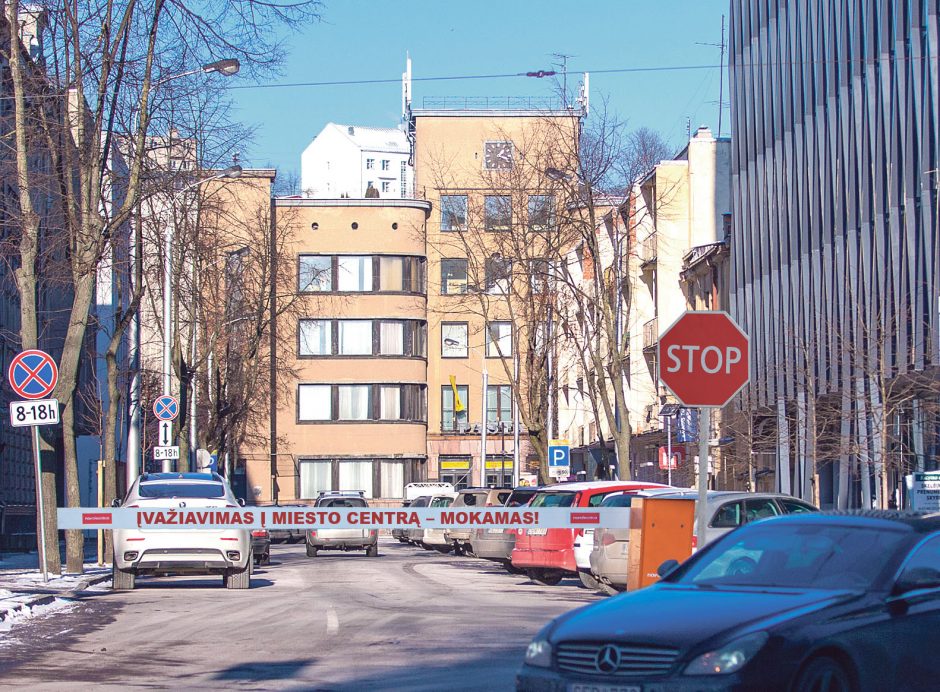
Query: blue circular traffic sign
x=166, y=407
x=33, y=374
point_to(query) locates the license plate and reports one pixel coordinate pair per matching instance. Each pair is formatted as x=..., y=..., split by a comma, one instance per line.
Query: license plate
x=494, y=530
x=537, y=532
x=591, y=687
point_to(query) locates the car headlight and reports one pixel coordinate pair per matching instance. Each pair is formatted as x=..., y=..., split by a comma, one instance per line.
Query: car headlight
x=539, y=653
x=729, y=658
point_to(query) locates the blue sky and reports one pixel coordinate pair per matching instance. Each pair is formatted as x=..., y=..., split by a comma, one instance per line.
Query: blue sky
x=360, y=40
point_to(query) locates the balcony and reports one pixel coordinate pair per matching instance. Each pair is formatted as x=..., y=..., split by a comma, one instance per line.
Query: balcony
x=648, y=251
x=650, y=334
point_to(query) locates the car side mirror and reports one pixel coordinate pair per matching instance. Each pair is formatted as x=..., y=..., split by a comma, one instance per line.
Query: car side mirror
x=916, y=579
x=116, y=502
x=241, y=501
x=667, y=568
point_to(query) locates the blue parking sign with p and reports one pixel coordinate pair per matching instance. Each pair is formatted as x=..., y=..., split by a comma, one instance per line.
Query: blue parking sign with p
x=559, y=453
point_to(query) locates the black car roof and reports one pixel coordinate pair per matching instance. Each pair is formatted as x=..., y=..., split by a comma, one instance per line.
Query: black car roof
x=918, y=522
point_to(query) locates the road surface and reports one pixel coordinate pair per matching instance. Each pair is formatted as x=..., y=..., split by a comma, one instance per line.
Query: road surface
x=409, y=619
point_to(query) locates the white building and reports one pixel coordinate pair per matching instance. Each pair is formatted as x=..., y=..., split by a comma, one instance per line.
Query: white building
x=344, y=160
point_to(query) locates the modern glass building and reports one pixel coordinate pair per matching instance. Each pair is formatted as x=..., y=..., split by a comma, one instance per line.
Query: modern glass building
x=835, y=239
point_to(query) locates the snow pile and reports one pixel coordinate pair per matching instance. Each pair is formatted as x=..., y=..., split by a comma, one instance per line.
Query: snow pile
x=27, y=612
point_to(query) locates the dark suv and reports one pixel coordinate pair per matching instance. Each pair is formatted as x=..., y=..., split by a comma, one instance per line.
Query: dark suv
x=342, y=539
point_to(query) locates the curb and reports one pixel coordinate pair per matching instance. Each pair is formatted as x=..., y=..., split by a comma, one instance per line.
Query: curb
x=46, y=599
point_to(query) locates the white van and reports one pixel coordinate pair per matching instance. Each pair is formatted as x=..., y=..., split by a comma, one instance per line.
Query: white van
x=416, y=490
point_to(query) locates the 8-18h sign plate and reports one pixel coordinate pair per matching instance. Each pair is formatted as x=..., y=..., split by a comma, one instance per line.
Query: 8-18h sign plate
x=36, y=412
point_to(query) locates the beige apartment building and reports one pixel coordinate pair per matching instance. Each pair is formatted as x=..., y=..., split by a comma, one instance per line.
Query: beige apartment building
x=682, y=214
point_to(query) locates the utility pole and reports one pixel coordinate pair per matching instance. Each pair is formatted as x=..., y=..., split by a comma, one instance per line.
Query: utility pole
x=563, y=64
x=721, y=74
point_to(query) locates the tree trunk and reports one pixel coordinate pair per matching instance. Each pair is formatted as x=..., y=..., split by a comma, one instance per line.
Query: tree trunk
x=50, y=522
x=74, y=538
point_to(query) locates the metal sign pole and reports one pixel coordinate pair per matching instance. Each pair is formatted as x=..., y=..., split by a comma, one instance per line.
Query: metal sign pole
x=669, y=448
x=704, y=425
x=40, y=507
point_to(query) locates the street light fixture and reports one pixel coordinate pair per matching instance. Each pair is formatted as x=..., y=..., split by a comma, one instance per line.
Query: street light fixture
x=226, y=67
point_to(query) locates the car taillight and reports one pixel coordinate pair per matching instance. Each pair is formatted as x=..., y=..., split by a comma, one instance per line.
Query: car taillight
x=694, y=541
x=260, y=533
x=578, y=533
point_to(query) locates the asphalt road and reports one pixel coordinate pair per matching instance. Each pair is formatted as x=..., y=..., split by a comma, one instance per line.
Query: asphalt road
x=409, y=619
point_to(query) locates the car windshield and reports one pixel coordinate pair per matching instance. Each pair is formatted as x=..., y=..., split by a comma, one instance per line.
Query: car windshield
x=343, y=502
x=552, y=500
x=617, y=501
x=441, y=501
x=800, y=556
x=207, y=490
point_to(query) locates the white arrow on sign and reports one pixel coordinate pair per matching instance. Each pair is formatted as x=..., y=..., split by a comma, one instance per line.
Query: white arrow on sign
x=166, y=433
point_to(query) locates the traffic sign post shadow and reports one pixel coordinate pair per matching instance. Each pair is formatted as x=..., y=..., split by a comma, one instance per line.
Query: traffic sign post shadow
x=33, y=374
x=704, y=360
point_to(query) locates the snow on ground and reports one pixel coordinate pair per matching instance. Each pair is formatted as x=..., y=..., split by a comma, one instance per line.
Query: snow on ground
x=57, y=606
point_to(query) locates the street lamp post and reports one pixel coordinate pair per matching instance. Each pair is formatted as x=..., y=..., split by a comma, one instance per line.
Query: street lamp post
x=226, y=68
x=230, y=172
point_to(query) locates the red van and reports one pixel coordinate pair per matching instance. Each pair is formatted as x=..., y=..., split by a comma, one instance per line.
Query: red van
x=547, y=555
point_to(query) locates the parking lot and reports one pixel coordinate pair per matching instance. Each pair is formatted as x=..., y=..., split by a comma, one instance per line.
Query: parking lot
x=408, y=619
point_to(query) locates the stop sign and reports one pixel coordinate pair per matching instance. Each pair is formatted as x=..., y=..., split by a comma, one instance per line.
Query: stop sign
x=703, y=358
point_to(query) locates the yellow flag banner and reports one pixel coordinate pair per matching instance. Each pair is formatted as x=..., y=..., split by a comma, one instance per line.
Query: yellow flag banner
x=458, y=404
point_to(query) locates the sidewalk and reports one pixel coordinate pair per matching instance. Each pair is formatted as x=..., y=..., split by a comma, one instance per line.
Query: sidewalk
x=24, y=594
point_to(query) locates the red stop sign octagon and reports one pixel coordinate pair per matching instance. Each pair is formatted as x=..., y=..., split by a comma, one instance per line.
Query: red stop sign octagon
x=704, y=359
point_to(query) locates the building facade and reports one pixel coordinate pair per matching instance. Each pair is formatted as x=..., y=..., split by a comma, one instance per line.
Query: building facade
x=350, y=161
x=835, y=238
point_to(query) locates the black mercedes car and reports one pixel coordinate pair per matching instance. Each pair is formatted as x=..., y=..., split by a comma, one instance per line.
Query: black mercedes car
x=818, y=602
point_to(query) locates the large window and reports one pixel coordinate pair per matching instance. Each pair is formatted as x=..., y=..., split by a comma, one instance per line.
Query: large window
x=453, y=212
x=354, y=401
x=498, y=274
x=541, y=212
x=391, y=273
x=454, y=339
x=390, y=402
x=315, y=273
x=354, y=273
x=316, y=337
x=315, y=402
x=356, y=475
x=497, y=212
x=499, y=339
x=453, y=276
x=538, y=275
x=355, y=337
x=454, y=414
x=392, y=338
x=454, y=470
x=315, y=477
x=393, y=479
x=498, y=403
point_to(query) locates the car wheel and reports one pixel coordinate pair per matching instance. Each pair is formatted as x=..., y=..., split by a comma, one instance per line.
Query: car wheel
x=122, y=579
x=545, y=577
x=239, y=578
x=588, y=581
x=609, y=589
x=824, y=674
x=311, y=550
x=372, y=550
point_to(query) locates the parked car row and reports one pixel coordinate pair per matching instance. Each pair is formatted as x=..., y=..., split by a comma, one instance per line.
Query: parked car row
x=599, y=557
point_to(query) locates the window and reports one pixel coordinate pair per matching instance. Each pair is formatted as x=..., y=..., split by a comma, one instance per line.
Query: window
x=454, y=418
x=453, y=340
x=386, y=186
x=793, y=506
x=354, y=402
x=498, y=274
x=316, y=337
x=454, y=470
x=391, y=273
x=403, y=181
x=499, y=340
x=453, y=276
x=315, y=477
x=416, y=337
x=355, y=338
x=453, y=212
x=538, y=275
x=385, y=164
x=498, y=403
x=315, y=273
x=389, y=402
x=370, y=164
x=356, y=475
x=392, y=338
x=498, y=474
x=728, y=516
x=497, y=212
x=315, y=402
x=761, y=509
x=414, y=275
x=923, y=566
x=541, y=212
x=393, y=479
x=355, y=273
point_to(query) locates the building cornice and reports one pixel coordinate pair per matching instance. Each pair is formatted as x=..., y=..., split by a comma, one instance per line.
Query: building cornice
x=354, y=202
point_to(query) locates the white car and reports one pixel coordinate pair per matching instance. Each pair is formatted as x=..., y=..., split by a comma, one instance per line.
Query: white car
x=435, y=538
x=181, y=551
